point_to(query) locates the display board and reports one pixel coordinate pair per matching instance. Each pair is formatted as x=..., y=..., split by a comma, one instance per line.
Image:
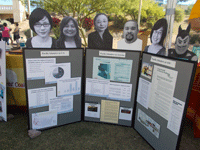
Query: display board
x=3, y=103
x=111, y=81
x=53, y=86
x=163, y=93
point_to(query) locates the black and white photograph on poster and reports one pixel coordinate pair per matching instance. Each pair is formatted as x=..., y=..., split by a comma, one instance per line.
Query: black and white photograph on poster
x=147, y=70
x=157, y=36
x=69, y=34
x=130, y=41
x=181, y=46
x=55, y=72
x=125, y=113
x=40, y=22
x=0, y=70
x=92, y=110
x=149, y=123
x=101, y=38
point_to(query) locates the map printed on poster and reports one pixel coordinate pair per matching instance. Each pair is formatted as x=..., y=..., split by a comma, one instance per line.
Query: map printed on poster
x=112, y=69
x=56, y=72
x=44, y=119
x=68, y=87
x=162, y=90
x=3, y=103
x=35, y=67
x=92, y=110
x=149, y=123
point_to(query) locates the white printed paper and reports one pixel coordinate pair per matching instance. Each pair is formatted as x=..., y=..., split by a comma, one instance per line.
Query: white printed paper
x=112, y=54
x=40, y=97
x=35, y=67
x=163, y=61
x=44, y=119
x=92, y=110
x=54, y=53
x=125, y=113
x=162, y=90
x=61, y=104
x=149, y=123
x=176, y=114
x=120, y=91
x=56, y=72
x=143, y=94
x=112, y=69
x=68, y=87
x=95, y=87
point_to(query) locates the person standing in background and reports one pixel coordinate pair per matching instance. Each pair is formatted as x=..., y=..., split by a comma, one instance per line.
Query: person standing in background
x=16, y=34
x=1, y=29
x=5, y=33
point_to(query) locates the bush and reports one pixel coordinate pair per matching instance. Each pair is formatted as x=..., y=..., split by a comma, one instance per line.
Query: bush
x=87, y=23
x=111, y=18
x=119, y=22
x=28, y=34
x=179, y=14
x=188, y=11
x=194, y=38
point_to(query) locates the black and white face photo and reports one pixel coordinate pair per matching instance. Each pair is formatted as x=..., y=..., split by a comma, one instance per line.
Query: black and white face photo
x=42, y=27
x=101, y=23
x=182, y=44
x=130, y=31
x=157, y=35
x=69, y=30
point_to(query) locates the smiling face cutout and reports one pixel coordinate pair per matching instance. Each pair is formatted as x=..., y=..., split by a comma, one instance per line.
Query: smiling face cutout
x=182, y=40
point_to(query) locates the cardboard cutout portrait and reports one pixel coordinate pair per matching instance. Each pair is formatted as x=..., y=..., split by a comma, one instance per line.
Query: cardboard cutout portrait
x=181, y=46
x=69, y=34
x=40, y=22
x=130, y=40
x=101, y=38
x=157, y=36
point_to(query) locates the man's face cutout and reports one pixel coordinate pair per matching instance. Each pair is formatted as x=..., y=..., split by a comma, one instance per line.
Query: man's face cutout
x=182, y=40
x=130, y=31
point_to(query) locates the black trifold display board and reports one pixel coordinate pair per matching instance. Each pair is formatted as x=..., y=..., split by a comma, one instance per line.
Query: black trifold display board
x=110, y=85
x=163, y=94
x=53, y=86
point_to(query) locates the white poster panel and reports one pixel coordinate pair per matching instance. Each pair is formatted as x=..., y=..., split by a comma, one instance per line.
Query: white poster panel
x=3, y=109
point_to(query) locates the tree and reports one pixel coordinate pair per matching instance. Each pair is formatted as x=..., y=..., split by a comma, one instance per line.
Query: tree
x=76, y=8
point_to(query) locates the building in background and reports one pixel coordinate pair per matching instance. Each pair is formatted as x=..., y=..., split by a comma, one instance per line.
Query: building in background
x=12, y=10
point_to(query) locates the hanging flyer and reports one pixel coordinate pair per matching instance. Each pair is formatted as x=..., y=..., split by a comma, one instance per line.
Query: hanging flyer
x=39, y=97
x=56, y=72
x=120, y=91
x=125, y=113
x=96, y=87
x=92, y=110
x=68, y=87
x=44, y=119
x=162, y=90
x=112, y=69
x=3, y=102
x=176, y=114
x=61, y=104
x=109, y=111
x=144, y=88
x=35, y=67
x=149, y=123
